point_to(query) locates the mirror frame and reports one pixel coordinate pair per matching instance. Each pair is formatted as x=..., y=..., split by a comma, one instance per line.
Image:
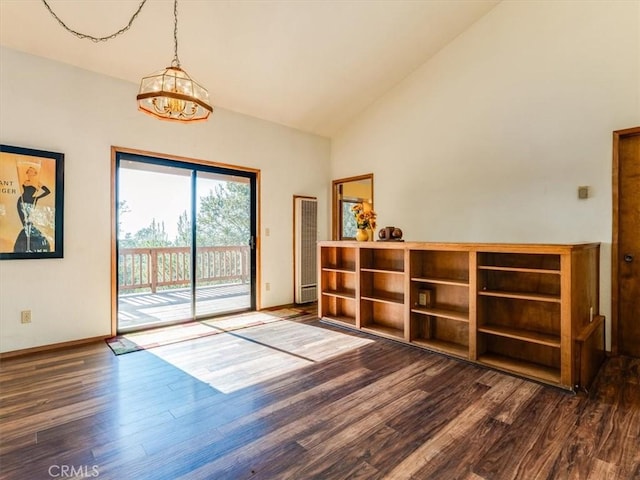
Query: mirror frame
x=336, y=218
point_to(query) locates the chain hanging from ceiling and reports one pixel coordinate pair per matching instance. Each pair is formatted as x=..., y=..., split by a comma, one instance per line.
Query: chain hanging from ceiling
x=91, y=37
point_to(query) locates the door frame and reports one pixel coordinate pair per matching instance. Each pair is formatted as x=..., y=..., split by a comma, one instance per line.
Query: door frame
x=115, y=151
x=615, y=300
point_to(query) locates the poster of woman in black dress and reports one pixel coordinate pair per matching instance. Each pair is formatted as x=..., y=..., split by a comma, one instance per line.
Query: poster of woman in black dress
x=30, y=203
x=30, y=238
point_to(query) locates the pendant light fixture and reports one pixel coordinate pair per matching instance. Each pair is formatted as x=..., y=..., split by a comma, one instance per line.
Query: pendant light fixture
x=171, y=94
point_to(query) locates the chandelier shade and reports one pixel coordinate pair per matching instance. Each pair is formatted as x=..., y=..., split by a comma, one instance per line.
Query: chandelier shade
x=171, y=94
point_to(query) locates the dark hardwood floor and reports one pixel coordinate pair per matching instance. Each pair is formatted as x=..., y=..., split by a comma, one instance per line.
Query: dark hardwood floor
x=303, y=400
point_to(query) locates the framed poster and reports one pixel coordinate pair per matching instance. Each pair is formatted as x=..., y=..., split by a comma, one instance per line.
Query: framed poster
x=31, y=203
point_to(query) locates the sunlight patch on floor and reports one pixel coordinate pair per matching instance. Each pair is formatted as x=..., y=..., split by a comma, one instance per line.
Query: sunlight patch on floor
x=235, y=360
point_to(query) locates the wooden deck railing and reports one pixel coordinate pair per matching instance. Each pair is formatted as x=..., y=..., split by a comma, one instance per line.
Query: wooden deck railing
x=171, y=266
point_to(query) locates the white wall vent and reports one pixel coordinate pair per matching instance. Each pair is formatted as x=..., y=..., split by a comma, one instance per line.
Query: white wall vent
x=305, y=227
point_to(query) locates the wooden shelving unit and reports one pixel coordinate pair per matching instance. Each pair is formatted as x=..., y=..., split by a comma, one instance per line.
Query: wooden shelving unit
x=522, y=308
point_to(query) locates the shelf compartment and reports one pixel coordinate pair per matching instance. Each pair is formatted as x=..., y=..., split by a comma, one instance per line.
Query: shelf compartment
x=440, y=333
x=518, y=356
x=338, y=283
x=520, y=315
x=522, y=367
x=338, y=258
x=440, y=266
x=382, y=286
x=529, y=261
x=519, y=282
x=338, y=308
x=382, y=259
x=382, y=317
x=458, y=315
x=519, y=334
x=449, y=300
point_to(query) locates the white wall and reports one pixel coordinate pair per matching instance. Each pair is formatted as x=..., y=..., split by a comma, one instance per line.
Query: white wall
x=489, y=140
x=51, y=106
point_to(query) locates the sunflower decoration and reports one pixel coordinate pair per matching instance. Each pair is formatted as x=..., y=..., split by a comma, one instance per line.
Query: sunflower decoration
x=365, y=218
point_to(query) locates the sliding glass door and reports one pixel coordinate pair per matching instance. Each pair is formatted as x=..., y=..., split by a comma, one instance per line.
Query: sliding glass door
x=184, y=241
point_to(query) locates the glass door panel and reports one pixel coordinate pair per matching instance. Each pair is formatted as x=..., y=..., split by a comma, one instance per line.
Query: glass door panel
x=223, y=237
x=154, y=245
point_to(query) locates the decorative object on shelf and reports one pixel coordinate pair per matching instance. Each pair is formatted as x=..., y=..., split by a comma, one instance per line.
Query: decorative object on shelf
x=362, y=235
x=390, y=234
x=31, y=203
x=426, y=297
x=365, y=220
x=171, y=94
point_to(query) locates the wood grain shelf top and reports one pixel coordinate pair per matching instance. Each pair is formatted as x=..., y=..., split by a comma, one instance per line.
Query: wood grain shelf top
x=339, y=269
x=341, y=319
x=384, y=297
x=443, y=346
x=442, y=281
x=521, y=296
x=518, y=269
x=520, y=367
x=458, y=315
x=383, y=270
x=520, y=334
x=339, y=294
x=384, y=331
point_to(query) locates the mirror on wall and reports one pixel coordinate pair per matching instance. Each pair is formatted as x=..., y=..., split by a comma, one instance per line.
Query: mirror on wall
x=346, y=193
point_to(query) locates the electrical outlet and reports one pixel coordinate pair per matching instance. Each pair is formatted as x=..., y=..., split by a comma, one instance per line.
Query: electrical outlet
x=267, y=286
x=25, y=316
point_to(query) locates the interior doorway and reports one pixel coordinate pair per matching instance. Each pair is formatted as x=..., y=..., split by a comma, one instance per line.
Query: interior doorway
x=184, y=240
x=625, y=262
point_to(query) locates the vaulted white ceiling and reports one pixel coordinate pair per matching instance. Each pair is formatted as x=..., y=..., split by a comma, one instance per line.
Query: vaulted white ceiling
x=308, y=64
